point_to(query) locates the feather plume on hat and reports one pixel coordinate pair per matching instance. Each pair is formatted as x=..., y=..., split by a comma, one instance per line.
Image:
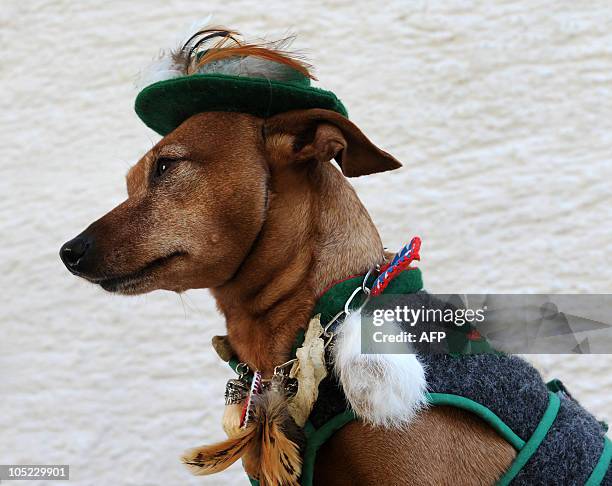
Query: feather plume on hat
x=218, y=50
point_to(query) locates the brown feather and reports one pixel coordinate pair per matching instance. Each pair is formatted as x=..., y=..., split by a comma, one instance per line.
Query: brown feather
x=251, y=461
x=269, y=446
x=280, y=459
x=230, y=44
x=217, y=457
x=217, y=53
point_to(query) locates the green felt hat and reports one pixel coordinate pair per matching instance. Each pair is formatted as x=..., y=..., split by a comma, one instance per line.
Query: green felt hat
x=243, y=84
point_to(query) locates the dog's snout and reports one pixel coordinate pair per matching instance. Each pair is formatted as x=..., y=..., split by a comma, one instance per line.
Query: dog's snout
x=73, y=251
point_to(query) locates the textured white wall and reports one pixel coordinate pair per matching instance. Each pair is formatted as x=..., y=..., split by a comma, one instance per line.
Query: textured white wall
x=501, y=113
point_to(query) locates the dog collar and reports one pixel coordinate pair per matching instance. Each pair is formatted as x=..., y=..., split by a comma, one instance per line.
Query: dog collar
x=335, y=304
x=343, y=296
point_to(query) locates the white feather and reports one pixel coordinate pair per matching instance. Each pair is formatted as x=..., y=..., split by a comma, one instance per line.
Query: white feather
x=162, y=67
x=383, y=389
x=250, y=66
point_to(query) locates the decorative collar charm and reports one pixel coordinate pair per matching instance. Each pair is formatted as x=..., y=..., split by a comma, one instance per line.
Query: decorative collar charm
x=274, y=410
x=309, y=370
x=400, y=262
x=216, y=70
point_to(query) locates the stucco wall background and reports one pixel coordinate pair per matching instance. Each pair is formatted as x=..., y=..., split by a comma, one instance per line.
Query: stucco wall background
x=500, y=111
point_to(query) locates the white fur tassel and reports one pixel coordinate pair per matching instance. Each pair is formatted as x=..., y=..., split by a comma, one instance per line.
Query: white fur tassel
x=383, y=389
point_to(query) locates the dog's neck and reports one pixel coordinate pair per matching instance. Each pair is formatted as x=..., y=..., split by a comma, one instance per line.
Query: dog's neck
x=316, y=232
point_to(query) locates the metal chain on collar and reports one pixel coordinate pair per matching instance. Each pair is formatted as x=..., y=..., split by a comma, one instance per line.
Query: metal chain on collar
x=238, y=389
x=329, y=330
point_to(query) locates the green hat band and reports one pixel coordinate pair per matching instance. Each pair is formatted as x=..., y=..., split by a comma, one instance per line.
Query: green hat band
x=164, y=105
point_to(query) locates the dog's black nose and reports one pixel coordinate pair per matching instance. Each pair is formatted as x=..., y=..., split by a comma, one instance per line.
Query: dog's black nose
x=73, y=251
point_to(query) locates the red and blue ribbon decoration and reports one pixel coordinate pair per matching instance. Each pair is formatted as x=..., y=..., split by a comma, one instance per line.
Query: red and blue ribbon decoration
x=401, y=261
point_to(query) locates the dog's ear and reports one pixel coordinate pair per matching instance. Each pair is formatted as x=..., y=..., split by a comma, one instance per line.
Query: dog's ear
x=316, y=134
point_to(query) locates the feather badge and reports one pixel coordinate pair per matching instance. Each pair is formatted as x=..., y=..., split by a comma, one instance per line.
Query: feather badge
x=264, y=424
x=269, y=445
x=215, y=458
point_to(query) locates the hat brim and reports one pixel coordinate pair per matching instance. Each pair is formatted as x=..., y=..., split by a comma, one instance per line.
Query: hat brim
x=164, y=105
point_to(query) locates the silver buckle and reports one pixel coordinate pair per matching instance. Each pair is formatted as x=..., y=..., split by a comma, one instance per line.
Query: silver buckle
x=347, y=310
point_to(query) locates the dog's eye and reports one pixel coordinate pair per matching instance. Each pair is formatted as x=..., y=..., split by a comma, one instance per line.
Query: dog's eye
x=162, y=166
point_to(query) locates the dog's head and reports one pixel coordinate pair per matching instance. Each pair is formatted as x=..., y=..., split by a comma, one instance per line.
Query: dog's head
x=199, y=199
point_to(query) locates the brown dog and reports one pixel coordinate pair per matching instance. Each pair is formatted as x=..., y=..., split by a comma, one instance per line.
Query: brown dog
x=252, y=209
